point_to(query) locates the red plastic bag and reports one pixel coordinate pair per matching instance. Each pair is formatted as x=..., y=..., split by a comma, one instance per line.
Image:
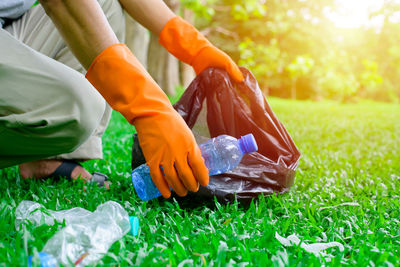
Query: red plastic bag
x=212, y=105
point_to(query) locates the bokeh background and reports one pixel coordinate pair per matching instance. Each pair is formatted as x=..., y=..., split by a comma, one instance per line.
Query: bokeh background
x=345, y=50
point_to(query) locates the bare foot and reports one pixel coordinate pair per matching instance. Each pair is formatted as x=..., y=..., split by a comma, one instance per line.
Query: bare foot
x=43, y=168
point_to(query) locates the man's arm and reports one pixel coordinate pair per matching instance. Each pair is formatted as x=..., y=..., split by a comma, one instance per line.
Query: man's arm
x=152, y=14
x=179, y=37
x=83, y=26
x=129, y=89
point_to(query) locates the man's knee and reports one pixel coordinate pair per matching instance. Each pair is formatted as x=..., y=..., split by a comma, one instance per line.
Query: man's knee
x=86, y=108
x=115, y=16
x=70, y=114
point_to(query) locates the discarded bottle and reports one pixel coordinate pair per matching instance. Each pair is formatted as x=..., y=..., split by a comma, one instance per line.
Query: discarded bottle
x=87, y=235
x=224, y=153
x=221, y=154
x=37, y=214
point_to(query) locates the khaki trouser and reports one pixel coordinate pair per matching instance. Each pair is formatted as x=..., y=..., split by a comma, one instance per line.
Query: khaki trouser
x=47, y=107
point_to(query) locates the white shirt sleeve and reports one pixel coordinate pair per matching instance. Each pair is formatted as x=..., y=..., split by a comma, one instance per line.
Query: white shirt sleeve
x=12, y=9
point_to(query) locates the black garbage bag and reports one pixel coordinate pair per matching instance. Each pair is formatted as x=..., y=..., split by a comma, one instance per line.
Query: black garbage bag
x=214, y=104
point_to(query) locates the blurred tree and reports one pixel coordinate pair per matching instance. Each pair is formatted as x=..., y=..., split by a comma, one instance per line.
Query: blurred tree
x=299, y=67
x=295, y=50
x=370, y=80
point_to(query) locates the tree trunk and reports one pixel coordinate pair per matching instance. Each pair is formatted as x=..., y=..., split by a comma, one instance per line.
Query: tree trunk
x=137, y=39
x=187, y=71
x=293, y=90
x=162, y=66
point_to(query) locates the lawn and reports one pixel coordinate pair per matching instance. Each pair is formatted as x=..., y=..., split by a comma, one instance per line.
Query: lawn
x=346, y=190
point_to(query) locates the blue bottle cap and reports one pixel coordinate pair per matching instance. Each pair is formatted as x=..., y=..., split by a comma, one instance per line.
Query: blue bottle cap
x=134, y=225
x=46, y=260
x=248, y=144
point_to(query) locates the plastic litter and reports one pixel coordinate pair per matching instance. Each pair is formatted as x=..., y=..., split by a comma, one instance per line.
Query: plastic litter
x=134, y=221
x=37, y=214
x=213, y=105
x=316, y=248
x=221, y=154
x=87, y=235
x=45, y=260
x=224, y=153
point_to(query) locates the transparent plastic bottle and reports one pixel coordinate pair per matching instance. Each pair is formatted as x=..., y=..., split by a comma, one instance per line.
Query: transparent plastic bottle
x=87, y=235
x=37, y=214
x=221, y=154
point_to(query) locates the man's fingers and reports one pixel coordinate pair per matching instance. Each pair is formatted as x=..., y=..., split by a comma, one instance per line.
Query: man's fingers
x=159, y=181
x=196, y=163
x=172, y=178
x=186, y=175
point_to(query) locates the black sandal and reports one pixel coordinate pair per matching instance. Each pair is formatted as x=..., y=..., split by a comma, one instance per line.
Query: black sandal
x=66, y=168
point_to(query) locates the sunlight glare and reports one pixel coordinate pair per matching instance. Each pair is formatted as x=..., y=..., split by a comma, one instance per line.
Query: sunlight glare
x=353, y=13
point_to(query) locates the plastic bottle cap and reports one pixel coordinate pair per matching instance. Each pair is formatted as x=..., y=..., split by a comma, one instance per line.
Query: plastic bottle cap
x=134, y=225
x=46, y=260
x=248, y=144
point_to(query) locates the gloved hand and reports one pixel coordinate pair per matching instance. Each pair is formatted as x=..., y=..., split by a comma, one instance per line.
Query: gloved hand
x=164, y=137
x=187, y=44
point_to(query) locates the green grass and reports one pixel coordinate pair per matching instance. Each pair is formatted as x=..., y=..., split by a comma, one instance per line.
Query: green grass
x=350, y=153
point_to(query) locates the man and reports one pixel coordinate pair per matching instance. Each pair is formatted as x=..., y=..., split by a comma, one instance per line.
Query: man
x=50, y=114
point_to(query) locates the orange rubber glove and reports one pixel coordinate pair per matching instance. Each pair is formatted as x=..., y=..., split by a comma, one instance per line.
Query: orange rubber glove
x=187, y=44
x=164, y=137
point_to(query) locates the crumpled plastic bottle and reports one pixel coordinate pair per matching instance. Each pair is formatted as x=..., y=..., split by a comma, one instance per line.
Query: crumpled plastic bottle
x=37, y=214
x=87, y=235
